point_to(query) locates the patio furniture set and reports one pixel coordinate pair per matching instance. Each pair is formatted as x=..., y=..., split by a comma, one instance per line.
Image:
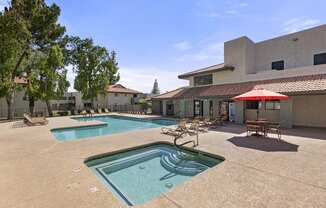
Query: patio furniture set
x=263, y=127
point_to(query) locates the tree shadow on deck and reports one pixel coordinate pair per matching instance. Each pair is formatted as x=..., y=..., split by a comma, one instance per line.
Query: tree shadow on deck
x=264, y=144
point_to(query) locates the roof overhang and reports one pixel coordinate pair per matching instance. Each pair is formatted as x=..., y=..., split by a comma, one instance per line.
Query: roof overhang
x=210, y=69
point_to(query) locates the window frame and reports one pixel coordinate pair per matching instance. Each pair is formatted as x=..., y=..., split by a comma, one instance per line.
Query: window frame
x=314, y=58
x=273, y=103
x=202, y=83
x=277, y=62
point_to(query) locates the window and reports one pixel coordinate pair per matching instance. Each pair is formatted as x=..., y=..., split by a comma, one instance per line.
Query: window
x=116, y=94
x=320, y=59
x=252, y=104
x=278, y=65
x=273, y=105
x=203, y=80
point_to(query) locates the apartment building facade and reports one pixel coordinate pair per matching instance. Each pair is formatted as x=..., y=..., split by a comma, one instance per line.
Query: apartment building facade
x=117, y=96
x=293, y=64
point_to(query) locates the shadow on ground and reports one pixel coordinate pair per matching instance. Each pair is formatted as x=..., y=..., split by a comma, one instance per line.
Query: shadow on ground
x=229, y=128
x=306, y=132
x=264, y=144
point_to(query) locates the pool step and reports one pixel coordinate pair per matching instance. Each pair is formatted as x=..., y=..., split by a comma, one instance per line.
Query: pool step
x=182, y=164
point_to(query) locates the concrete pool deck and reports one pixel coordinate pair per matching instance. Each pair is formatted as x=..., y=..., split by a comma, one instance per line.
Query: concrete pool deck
x=36, y=170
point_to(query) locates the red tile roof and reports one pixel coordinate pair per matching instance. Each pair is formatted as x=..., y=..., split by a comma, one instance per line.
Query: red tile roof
x=312, y=84
x=118, y=88
x=214, y=68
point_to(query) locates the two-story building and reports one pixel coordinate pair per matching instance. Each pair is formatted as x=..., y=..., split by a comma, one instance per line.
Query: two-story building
x=117, y=97
x=293, y=64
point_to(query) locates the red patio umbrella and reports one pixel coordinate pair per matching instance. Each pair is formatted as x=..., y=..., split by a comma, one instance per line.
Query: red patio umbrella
x=261, y=95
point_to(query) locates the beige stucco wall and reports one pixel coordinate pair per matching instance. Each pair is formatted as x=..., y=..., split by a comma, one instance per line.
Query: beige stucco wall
x=295, y=53
x=120, y=99
x=252, y=61
x=22, y=106
x=309, y=110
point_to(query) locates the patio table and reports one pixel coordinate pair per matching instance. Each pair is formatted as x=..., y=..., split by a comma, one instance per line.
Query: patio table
x=262, y=124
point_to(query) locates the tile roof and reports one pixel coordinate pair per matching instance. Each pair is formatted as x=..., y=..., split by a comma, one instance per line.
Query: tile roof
x=312, y=84
x=170, y=94
x=118, y=88
x=214, y=68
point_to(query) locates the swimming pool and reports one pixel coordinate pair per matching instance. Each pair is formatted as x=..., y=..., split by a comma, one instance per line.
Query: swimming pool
x=115, y=124
x=139, y=175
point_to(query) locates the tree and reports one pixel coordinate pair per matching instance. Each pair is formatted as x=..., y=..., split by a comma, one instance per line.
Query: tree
x=155, y=90
x=94, y=68
x=114, y=76
x=52, y=76
x=13, y=35
x=30, y=27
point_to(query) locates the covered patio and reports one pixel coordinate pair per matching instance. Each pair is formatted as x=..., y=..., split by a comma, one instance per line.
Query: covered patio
x=307, y=98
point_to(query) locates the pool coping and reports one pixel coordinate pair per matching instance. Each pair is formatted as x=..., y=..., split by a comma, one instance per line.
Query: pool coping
x=80, y=126
x=99, y=156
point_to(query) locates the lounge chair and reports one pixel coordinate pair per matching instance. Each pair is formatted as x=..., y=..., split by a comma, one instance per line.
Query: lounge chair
x=181, y=128
x=106, y=110
x=196, y=126
x=99, y=110
x=33, y=121
x=91, y=112
x=83, y=112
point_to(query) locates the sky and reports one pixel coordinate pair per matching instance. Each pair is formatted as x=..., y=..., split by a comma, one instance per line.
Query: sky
x=160, y=39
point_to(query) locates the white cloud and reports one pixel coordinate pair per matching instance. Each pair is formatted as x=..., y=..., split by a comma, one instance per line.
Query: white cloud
x=182, y=46
x=142, y=79
x=207, y=52
x=297, y=24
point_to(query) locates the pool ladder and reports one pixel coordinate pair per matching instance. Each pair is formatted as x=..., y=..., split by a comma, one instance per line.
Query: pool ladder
x=195, y=144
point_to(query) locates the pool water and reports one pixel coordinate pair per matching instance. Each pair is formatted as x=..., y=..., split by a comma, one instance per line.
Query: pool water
x=115, y=124
x=137, y=176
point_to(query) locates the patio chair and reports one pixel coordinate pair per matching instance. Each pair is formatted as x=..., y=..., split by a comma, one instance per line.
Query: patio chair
x=196, y=126
x=33, y=121
x=218, y=121
x=274, y=128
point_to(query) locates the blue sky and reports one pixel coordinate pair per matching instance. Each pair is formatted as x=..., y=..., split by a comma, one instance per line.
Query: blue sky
x=163, y=38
